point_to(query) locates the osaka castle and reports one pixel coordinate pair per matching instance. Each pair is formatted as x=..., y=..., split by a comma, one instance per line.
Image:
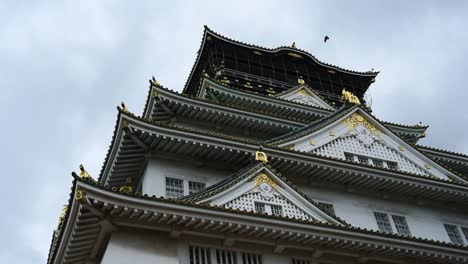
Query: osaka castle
x=266, y=156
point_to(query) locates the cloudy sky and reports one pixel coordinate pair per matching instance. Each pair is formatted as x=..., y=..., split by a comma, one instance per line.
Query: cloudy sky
x=65, y=67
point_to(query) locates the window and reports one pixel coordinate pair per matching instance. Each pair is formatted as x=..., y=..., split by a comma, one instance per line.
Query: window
x=301, y=261
x=363, y=160
x=202, y=255
x=195, y=187
x=367, y=160
x=454, y=234
x=260, y=207
x=349, y=157
x=328, y=208
x=383, y=222
x=276, y=210
x=199, y=255
x=249, y=258
x=226, y=256
x=465, y=232
x=392, y=165
x=387, y=224
x=400, y=225
x=174, y=188
x=377, y=163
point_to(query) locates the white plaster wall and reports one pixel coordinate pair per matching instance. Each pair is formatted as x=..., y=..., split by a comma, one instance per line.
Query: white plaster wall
x=358, y=210
x=140, y=246
x=154, y=178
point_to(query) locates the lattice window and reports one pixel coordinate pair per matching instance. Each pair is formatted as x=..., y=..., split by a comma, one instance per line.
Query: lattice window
x=383, y=222
x=328, y=208
x=349, y=157
x=195, y=187
x=377, y=163
x=260, y=207
x=174, y=188
x=378, y=151
x=199, y=255
x=250, y=258
x=454, y=234
x=363, y=160
x=301, y=261
x=465, y=232
x=276, y=210
x=226, y=256
x=247, y=202
x=401, y=225
x=392, y=165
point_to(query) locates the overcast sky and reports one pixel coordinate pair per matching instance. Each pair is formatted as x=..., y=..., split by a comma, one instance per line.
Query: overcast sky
x=65, y=67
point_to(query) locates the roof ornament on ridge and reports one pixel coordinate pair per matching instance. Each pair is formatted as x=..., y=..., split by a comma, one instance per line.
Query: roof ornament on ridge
x=154, y=82
x=347, y=96
x=261, y=156
x=124, y=107
x=84, y=173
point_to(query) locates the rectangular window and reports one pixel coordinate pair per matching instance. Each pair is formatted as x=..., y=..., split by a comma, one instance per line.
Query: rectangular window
x=392, y=165
x=199, y=255
x=328, y=208
x=349, y=156
x=465, y=232
x=174, y=188
x=195, y=187
x=249, y=258
x=454, y=234
x=363, y=160
x=383, y=222
x=276, y=210
x=377, y=163
x=226, y=256
x=301, y=261
x=259, y=207
x=401, y=225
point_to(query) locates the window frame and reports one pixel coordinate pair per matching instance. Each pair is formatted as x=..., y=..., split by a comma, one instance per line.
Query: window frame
x=395, y=230
x=462, y=231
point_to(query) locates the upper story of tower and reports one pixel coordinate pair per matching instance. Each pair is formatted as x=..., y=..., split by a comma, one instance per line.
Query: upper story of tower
x=267, y=71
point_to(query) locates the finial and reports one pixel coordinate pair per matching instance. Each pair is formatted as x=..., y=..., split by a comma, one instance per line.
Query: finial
x=420, y=124
x=153, y=81
x=293, y=45
x=347, y=96
x=300, y=80
x=83, y=173
x=261, y=156
x=124, y=107
x=127, y=187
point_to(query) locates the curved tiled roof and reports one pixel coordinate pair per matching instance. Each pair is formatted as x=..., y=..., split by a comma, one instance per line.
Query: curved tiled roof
x=208, y=32
x=54, y=246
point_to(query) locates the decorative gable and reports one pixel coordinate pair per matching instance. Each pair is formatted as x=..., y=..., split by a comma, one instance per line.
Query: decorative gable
x=356, y=136
x=303, y=95
x=260, y=190
x=265, y=198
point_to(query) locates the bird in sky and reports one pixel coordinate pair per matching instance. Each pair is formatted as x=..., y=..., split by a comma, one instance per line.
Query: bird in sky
x=325, y=39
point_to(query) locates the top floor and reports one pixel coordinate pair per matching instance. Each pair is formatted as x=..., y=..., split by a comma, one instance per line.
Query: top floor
x=271, y=71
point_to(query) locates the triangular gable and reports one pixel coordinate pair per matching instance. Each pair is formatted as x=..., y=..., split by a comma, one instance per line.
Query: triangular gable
x=354, y=135
x=259, y=189
x=302, y=94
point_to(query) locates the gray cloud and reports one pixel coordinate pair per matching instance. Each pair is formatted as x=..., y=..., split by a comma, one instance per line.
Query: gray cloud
x=66, y=67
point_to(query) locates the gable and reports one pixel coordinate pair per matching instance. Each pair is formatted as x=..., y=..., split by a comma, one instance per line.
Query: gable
x=359, y=135
x=262, y=188
x=303, y=95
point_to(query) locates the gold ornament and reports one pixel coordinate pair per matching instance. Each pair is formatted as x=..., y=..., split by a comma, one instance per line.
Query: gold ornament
x=349, y=97
x=263, y=178
x=127, y=187
x=356, y=119
x=261, y=156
